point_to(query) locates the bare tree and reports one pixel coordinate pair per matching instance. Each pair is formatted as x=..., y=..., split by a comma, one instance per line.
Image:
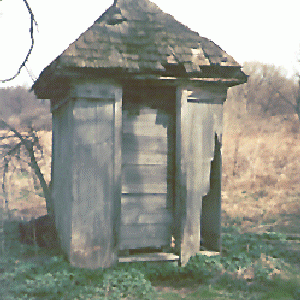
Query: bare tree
x=266, y=92
x=20, y=107
x=20, y=112
x=292, y=97
x=33, y=23
x=30, y=142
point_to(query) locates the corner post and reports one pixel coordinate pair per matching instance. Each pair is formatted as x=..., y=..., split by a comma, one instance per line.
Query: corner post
x=187, y=193
x=96, y=182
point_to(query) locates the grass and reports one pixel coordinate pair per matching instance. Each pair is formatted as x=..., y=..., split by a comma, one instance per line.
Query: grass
x=250, y=268
x=263, y=191
x=204, y=292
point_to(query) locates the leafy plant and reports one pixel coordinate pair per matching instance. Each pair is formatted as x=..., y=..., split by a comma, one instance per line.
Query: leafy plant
x=202, y=267
x=249, y=269
x=130, y=284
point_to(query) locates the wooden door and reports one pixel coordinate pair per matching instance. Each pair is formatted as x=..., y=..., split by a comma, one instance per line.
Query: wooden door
x=147, y=180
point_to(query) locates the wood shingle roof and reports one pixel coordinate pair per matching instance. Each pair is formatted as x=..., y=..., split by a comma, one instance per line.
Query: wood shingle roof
x=137, y=37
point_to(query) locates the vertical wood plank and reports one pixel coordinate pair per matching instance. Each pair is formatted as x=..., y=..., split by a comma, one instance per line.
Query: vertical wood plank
x=117, y=168
x=180, y=179
x=171, y=167
x=93, y=184
x=61, y=174
x=188, y=196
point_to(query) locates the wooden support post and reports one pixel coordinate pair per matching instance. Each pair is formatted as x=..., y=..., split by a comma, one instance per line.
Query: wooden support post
x=188, y=192
x=198, y=119
x=117, y=186
x=61, y=173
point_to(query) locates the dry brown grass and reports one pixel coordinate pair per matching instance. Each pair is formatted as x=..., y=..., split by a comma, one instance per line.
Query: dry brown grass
x=261, y=173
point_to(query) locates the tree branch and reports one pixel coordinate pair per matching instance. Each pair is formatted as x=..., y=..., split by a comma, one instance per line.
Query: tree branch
x=32, y=24
x=29, y=145
x=286, y=100
x=5, y=171
x=6, y=163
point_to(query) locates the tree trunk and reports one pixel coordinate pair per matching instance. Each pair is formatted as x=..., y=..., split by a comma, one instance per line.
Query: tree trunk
x=297, y=106
x=29, y=145
x=34, y=165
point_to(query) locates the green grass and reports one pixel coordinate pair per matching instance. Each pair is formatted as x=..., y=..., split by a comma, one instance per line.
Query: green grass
x=249, y=269
x=204, y=292
x=238, y=291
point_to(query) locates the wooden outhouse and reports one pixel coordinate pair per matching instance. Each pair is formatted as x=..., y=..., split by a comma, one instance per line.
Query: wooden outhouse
x=137, y=102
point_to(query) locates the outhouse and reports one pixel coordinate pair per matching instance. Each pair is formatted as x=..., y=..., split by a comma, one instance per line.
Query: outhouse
x=137, y=103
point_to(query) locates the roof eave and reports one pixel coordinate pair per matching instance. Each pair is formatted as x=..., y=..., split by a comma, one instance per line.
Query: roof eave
x=55, y=82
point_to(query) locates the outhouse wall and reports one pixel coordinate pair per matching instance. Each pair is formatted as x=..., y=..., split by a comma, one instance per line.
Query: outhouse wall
x=148, y=170
x=198, y=122
x=87, y=176
x=132, y=167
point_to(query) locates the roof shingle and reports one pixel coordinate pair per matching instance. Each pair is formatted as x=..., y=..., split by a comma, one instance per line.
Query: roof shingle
x=137, y=36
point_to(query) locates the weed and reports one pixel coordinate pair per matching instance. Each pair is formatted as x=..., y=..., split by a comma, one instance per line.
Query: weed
x=203, y=267
x=131, y=284
x=249, y=269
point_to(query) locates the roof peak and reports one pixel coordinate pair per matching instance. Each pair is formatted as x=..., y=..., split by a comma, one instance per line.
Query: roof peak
x=137, y=37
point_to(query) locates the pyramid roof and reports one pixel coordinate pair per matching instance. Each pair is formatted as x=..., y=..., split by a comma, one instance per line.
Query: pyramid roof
x=135, y=37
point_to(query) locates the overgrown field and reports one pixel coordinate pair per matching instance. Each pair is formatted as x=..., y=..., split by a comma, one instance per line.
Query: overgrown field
x=261, y=210
x=261, y=173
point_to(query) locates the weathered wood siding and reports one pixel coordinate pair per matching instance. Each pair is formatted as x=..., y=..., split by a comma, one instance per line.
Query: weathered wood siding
x=198, y=119
x=146, y=213
x=87, y=173
x=92, y=180
x=62, y=149
x=96, y=175
x=131, y=177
